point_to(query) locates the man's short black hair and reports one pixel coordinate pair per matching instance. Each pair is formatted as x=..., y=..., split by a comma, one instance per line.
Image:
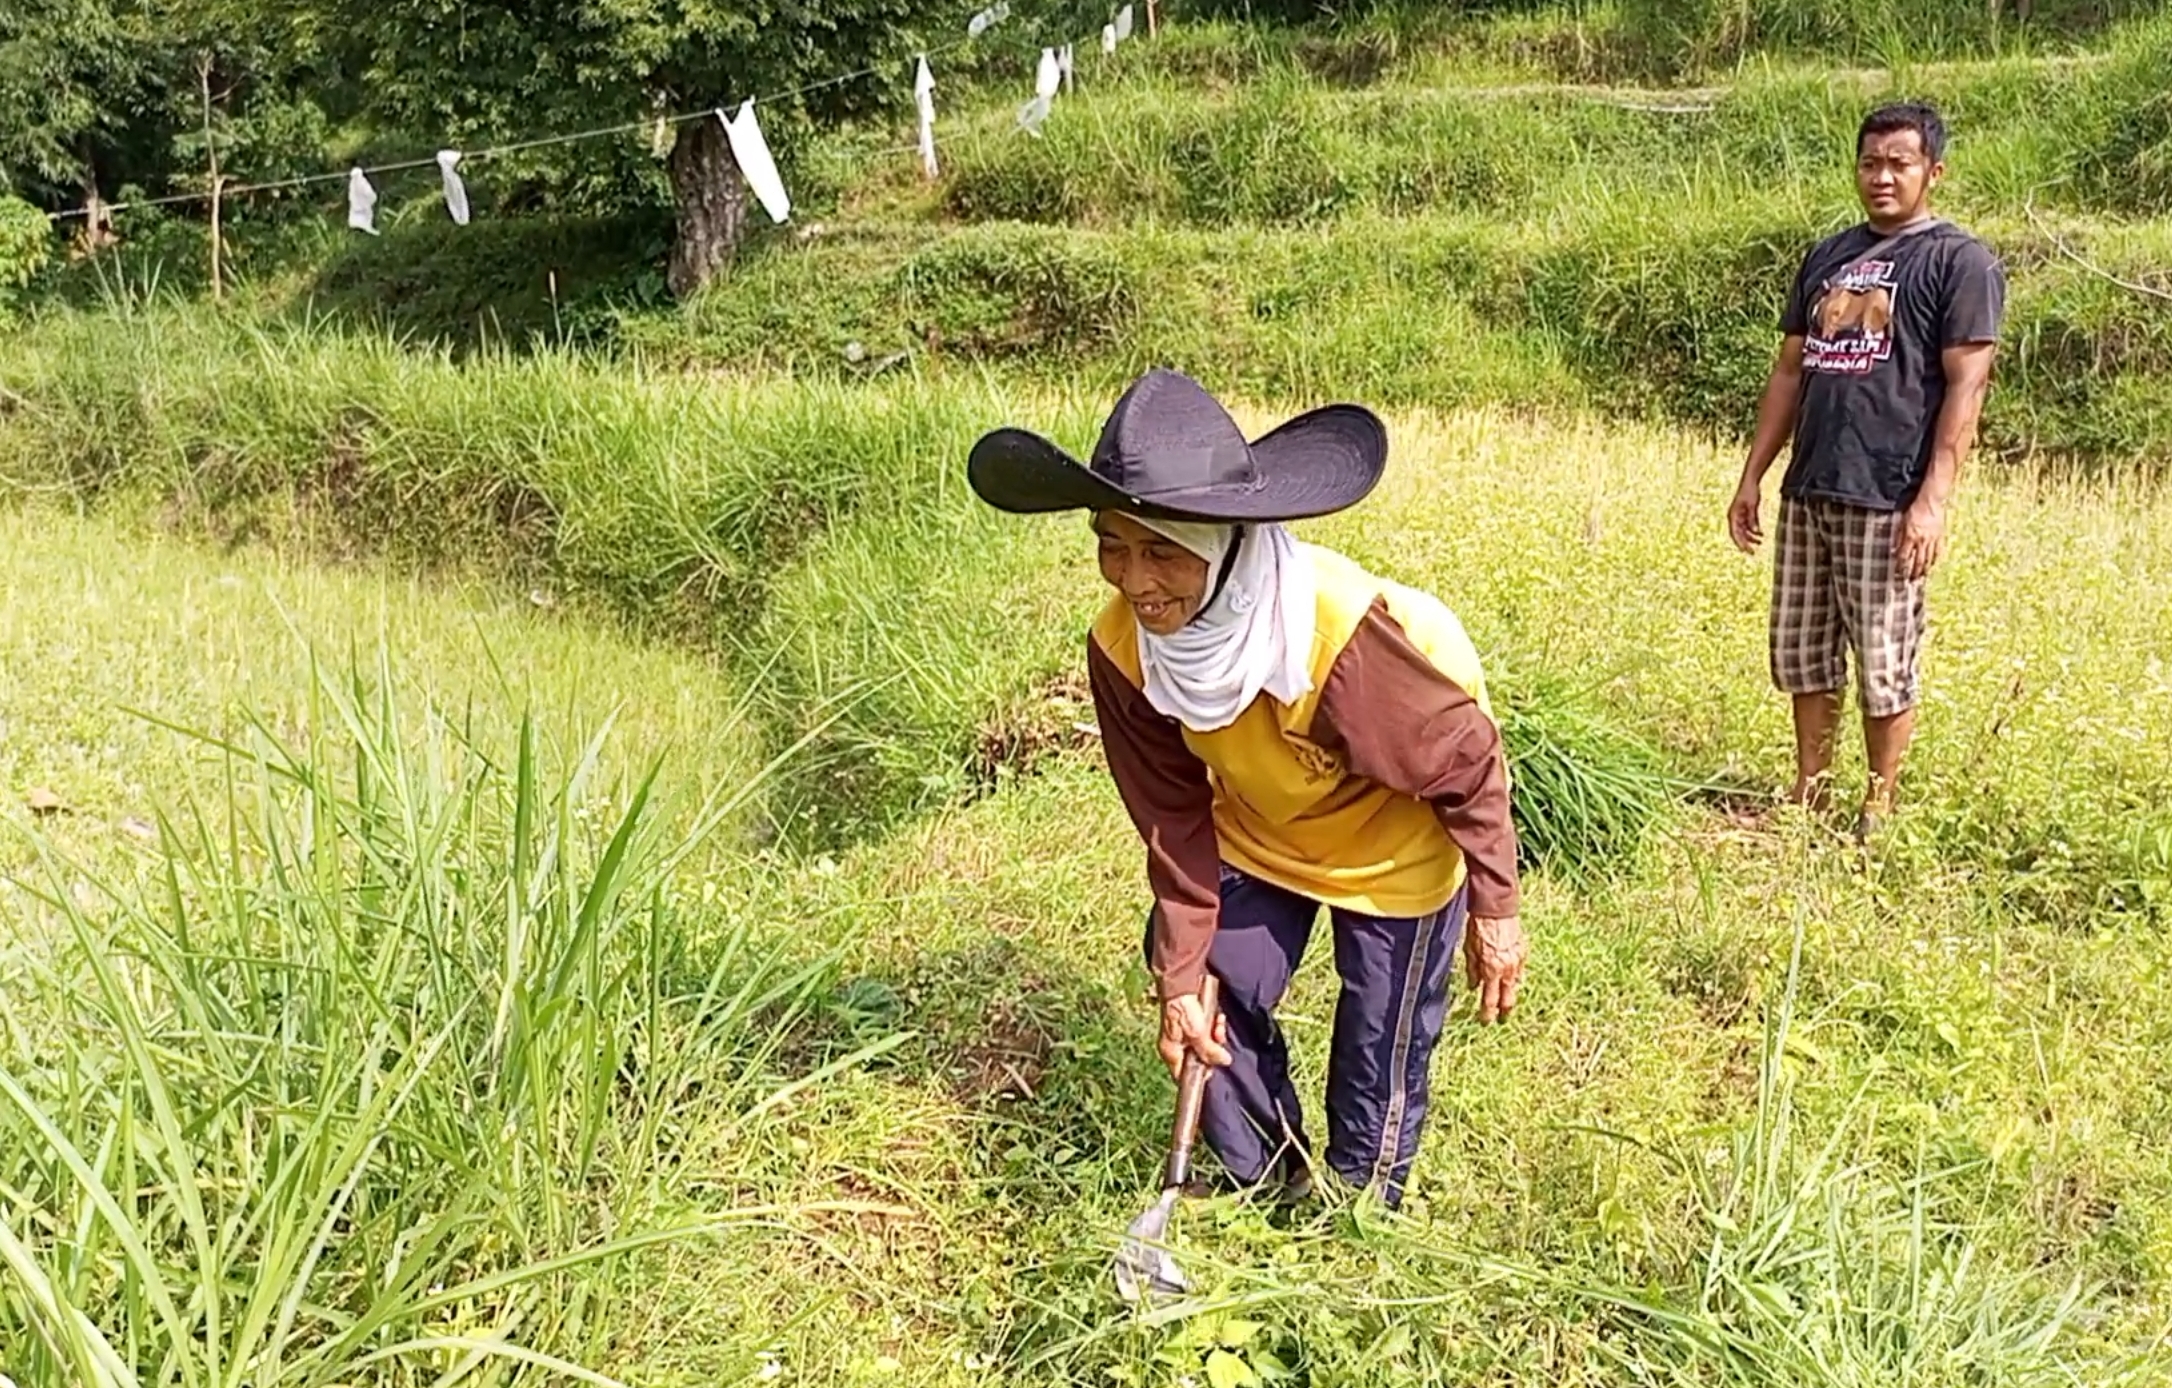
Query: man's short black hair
x=1929, y=126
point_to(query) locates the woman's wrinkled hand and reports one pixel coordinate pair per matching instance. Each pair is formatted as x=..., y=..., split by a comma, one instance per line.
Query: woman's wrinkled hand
x=1185, y=1027
x=1496, y=950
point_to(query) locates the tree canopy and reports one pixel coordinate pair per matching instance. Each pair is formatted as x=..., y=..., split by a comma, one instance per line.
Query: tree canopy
x=509, y=69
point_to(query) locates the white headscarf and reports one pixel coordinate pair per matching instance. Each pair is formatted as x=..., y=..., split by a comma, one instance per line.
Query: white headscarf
x=1255, y=636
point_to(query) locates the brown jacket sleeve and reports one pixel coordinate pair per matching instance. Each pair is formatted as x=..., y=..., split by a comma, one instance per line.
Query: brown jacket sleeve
x=1164, y=786
x=1403, y=723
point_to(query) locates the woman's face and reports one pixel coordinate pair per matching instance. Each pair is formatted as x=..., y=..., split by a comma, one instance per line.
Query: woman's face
x=1164, y=582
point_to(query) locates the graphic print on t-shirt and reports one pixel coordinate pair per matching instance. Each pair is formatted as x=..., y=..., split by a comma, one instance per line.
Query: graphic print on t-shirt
x=1851, y=323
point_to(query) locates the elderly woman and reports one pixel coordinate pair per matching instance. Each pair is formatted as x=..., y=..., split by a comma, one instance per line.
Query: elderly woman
x=1287, y=732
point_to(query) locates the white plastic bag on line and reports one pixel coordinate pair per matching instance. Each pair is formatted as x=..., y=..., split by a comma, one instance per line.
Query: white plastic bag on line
x=752, y=152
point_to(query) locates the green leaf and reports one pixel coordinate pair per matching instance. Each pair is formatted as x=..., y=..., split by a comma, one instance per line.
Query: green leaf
x=1226, y=1370
x=1238, y=1334
x=1395, y=1344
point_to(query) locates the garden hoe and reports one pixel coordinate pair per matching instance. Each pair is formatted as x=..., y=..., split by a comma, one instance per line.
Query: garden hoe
x=1143, y=1265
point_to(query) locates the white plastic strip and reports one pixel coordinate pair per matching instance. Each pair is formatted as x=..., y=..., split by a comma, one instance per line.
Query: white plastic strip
x=361, y=202
x=924, y=98
x=456, y=192
x=752, y=152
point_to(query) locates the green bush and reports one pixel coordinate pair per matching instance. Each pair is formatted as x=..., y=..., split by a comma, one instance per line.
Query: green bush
x=999, y=292
x=26, y=246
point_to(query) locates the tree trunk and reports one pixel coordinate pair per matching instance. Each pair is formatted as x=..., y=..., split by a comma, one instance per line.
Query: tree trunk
x=96, y=232
x=711, y=196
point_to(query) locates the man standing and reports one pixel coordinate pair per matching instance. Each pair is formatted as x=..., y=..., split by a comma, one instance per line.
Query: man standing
x=1888, y=338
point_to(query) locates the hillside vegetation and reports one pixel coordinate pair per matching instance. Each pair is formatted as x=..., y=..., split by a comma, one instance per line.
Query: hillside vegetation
x=545, y=836
x=1445, y=224
x=1435, y=244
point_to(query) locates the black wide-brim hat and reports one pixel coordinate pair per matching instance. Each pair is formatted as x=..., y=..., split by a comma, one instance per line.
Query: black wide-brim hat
x=1169, y=451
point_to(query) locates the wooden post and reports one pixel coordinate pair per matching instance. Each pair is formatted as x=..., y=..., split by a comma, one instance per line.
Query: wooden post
x=1153, y=18
x=218, y=275
x=211, y=152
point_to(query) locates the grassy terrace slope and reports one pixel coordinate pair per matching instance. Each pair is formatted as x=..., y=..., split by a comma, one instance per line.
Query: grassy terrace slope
x=897, y=1107
x=1429, y=232
x=593, y=850
x=1430, y=242
x=1423, y=213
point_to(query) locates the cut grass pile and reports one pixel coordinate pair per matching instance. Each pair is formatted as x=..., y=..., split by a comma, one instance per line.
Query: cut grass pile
x=1768, y=1115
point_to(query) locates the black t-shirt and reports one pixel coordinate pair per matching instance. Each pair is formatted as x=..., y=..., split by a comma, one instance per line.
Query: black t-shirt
x=1872, y=379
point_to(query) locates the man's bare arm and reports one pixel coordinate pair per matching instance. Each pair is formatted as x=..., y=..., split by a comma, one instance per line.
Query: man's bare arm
x=1968, y=379
x=1775, y=421
x=1776, y=412
x=1921, y=542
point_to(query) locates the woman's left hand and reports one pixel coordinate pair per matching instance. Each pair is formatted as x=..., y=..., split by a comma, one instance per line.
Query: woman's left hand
x=1495, y=950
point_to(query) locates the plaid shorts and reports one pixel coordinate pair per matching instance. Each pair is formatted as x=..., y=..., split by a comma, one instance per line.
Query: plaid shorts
x=1836, y=589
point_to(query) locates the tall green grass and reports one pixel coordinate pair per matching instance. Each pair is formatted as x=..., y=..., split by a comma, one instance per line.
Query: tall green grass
x=1801, y=1258
x=786, y=525
x=387, y=1065
x=1645, y=303
x=672, y=501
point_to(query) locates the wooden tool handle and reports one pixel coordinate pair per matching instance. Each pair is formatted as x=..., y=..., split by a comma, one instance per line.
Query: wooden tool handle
x=1191, y=1095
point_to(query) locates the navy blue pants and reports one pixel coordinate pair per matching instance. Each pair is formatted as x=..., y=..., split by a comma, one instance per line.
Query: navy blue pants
x=1396, y=977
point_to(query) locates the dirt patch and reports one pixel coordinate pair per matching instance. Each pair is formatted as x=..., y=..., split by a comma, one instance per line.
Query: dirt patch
x=1722, y=986
x=1740, y=1073
x=1056, y=716
x=1003, y=1060
x=1358, y=61
x=945, y=858
x=879, y=1242
x=879, y=1214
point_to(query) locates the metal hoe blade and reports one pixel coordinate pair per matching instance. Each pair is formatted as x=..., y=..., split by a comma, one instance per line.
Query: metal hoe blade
x=1144, y=1269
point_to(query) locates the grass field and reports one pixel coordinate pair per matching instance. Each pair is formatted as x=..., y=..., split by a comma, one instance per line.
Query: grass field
x=1770, y=1114
x=559, y=844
